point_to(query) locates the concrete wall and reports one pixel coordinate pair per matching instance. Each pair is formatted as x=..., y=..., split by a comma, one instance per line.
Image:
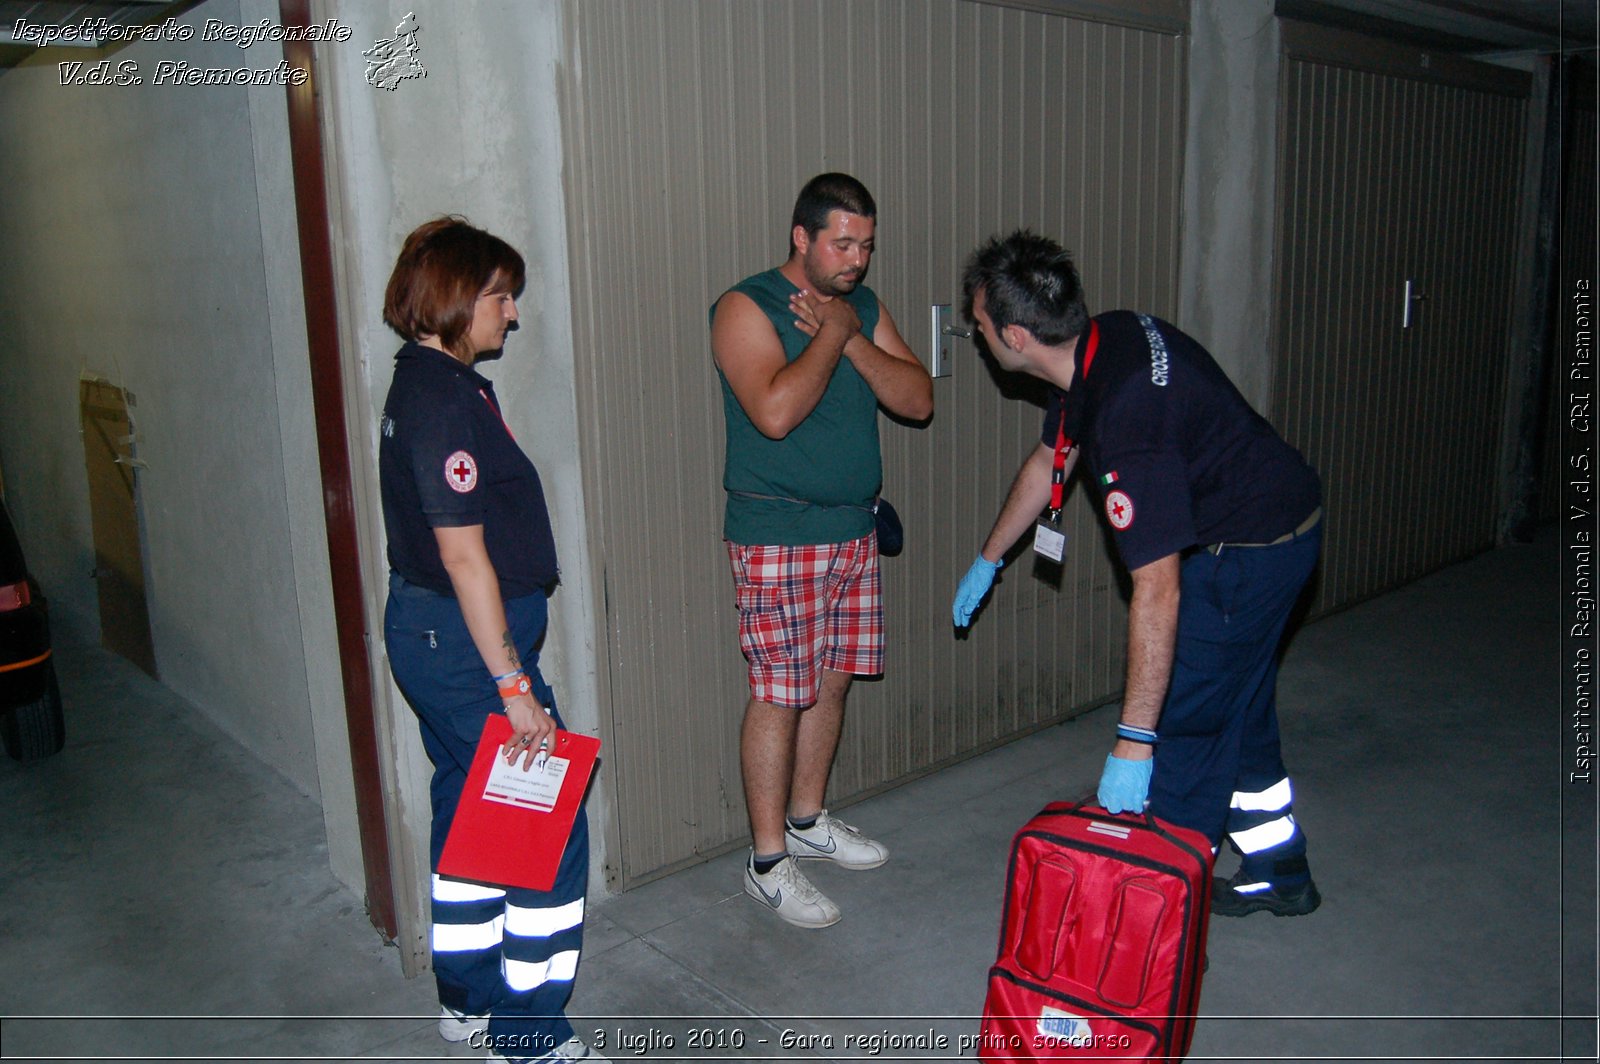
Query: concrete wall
x=149, y=236
x=478, y=136
x=1229, y=189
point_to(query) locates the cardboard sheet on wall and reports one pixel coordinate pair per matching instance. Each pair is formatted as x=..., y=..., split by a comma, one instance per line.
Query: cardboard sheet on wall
x=118, y=559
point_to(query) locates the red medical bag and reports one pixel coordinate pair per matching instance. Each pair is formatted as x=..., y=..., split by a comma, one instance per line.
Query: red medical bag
x=1103, y=941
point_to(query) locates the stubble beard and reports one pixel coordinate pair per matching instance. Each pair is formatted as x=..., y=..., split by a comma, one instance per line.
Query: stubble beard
x=834, y=286
x=831, y=286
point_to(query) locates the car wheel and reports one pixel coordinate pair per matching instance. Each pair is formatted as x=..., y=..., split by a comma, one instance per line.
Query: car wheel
x=36, y=729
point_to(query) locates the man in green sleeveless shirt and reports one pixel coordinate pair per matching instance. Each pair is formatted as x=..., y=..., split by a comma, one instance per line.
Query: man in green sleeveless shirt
x=806, y=354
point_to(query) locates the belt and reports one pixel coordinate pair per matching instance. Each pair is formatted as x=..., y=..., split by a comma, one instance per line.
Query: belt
x=1305, y=526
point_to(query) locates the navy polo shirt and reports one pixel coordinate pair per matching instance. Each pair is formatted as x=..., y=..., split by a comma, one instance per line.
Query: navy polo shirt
x=447, y=460
x=1178, y=457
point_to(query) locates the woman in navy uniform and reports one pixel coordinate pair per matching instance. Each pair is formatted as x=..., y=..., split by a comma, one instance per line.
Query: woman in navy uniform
x=471, y=560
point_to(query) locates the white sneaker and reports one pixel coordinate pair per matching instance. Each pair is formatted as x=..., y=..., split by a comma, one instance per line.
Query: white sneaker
x=573, y=1048
x=786, y=891
x=837, y=841
x=459, y=1026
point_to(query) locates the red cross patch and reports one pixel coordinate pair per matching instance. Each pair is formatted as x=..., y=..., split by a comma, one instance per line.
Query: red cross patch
x=1119, y=510
x=461, y=472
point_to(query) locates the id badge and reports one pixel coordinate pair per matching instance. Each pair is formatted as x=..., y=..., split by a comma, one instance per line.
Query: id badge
x=1048, y=542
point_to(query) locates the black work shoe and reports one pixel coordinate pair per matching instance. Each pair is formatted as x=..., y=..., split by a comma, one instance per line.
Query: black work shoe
x=1297, y=900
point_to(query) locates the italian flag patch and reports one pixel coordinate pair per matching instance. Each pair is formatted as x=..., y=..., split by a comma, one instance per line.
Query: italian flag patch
x=1109, y=478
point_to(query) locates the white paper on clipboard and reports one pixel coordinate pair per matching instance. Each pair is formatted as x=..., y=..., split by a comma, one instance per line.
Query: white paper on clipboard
x=535, y=787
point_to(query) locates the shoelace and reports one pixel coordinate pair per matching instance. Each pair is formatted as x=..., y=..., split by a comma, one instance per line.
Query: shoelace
x=839, y=827
x=797, y=884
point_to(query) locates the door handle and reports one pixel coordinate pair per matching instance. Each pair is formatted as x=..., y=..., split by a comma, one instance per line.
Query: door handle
x=1413, y=297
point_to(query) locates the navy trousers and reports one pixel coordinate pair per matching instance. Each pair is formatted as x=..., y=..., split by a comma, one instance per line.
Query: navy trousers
x=509, y=953
x=1218, y=767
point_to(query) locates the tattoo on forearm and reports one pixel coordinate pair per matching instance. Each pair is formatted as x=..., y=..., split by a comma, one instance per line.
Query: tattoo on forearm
x=511, y=650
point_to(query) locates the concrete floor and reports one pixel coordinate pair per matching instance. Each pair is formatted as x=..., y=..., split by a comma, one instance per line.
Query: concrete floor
x=166, y=896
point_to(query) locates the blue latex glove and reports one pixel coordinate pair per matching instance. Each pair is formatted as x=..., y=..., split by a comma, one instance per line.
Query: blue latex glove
x=973, y=586
x=1125, y=784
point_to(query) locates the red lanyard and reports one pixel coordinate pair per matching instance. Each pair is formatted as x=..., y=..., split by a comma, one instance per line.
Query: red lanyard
x=1058, y=469
x=497, y=414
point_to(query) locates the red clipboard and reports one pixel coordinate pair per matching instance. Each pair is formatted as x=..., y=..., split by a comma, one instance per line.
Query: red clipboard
x=511, y=826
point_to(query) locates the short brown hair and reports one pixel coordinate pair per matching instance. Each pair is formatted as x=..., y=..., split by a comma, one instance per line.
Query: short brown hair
x=444, y=266
x=823, y=195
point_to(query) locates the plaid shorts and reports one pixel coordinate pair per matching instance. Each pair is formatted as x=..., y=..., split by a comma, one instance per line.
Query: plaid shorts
x=805, y=609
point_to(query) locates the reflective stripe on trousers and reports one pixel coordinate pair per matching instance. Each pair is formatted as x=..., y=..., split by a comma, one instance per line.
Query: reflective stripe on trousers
x=1262, y=827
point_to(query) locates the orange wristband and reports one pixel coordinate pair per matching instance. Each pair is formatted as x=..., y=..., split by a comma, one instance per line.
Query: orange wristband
x=515, y=685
